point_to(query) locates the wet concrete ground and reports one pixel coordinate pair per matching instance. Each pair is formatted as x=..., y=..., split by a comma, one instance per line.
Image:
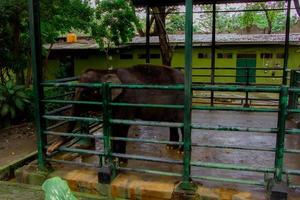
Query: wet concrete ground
x=228, y=156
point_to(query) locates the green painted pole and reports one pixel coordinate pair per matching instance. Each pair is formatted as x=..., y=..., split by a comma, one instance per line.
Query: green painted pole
x=287, y=42
x=188, y=95
x=282, y=114
x=36, y=62
x=106, y=95
x=213, y=54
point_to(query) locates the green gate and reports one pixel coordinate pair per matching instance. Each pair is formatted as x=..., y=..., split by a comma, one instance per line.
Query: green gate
x=245, y=68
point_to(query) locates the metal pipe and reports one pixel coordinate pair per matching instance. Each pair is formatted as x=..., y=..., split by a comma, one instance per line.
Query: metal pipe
x=36, y=62
x=140, y=86
x=149, y=171
x=282, y=114
x=213, y=54
x=147, y=105
x=231, y=108
x=147, y=158
x=64, y=80
x=187, y=96
x=236, y=88
x=71, y=118
x=73, y=102
x=230, y=180
x=147, y=123
x=287, y=42
x=225, y=128
x=148, y=34
x=231, y=167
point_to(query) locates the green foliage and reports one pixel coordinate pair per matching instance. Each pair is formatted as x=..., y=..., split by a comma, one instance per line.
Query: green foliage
x=115, y=23
x=175, y=23
x=57, y=17
x=13, y=100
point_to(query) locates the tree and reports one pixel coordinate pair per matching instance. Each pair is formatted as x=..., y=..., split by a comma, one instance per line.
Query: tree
x=57, y=17
x=269, y=20
x=115, y=23
x=175, y=23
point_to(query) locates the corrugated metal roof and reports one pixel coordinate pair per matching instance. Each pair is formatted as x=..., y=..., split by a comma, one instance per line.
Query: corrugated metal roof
x=198, y=40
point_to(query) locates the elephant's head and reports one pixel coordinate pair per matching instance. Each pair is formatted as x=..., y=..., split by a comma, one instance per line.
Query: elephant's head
x=93, y=94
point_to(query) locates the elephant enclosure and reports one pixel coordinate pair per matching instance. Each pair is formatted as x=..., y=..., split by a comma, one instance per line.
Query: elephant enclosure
x=215, y=155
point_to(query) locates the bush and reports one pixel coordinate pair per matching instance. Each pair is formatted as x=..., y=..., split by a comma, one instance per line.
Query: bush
x=13, y=101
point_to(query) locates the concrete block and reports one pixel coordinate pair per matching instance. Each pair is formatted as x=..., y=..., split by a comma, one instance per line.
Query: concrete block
x=242, y=196
x=207, y=194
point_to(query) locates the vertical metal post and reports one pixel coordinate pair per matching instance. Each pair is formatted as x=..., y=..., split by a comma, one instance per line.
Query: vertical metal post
x=188, y=95
x=148, y=34
x=108, y=171
x=282, y=114
x=293, y=96
x=247, y=83
x=36, y=49
x=213, y=54
x=286, y=45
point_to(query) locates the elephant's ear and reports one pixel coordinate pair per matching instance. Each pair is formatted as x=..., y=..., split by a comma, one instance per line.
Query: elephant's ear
x=113, y=78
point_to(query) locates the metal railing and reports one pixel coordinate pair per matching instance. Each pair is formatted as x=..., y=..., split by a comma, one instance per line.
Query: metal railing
x=107, y=156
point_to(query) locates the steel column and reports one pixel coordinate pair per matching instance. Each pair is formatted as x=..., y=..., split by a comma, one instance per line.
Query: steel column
x=148, y=34
x=213, y=54
x=106, y=95
x=286, y=45
x=188, y=95
x=282, y=114
x=36, y=62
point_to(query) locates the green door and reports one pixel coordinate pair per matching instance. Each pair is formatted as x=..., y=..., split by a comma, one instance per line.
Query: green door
x=245, y=68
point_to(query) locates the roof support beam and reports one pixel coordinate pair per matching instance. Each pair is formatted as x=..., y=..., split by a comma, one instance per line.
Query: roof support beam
x=287, y=43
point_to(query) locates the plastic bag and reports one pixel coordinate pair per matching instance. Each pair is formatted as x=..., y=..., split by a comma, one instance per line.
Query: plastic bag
x=57, y=189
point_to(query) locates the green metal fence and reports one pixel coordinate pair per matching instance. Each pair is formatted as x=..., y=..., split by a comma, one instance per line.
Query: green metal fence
x=45, y=120
x=107, y=157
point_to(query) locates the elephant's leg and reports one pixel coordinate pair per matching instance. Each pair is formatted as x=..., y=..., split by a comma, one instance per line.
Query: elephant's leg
x=182, y=139
x=117, y=145
x=174, y=137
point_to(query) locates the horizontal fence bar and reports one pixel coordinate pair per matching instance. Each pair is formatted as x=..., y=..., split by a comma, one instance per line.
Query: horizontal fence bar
x=146, y=141
x=224, y=128
x=236, y=88
x=147, y=158
x=148, y=171
x=60, y=95
x=58, y=110
x=229, y=180
x=73, y=102
x=293, y=110
x=293, y=131
x=77, y=135
x=233, y=76
x=147, y=105
x=234, y=68
x=64, y=80
x=91, y=85
x=59, y=124
x=233, y=147
x=292, y=172
x=69, y=118
x=147, y=123
x=82, y=164
x=231, y=108
x=231, y=167
x=294, y=89
x=157, y=87
x=80, y=151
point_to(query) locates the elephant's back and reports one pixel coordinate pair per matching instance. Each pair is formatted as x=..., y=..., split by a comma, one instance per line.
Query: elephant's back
x=151, y=74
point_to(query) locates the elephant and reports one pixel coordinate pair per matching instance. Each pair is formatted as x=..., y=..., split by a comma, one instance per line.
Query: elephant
x=138, y=74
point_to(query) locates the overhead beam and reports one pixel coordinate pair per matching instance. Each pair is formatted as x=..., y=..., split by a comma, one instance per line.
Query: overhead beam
x=143, y=3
